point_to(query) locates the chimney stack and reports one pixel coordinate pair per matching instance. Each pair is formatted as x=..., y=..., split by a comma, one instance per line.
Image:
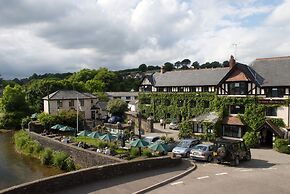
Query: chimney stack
x=162, y=70
x=232, y=61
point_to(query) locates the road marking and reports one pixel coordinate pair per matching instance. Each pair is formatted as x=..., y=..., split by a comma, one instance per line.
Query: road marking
x=246, y=170
x=269, y=168
x=202, y=177
x=176, y=183
x=222, y=173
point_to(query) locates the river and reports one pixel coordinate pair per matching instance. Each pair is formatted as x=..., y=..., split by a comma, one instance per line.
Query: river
x=16, y=168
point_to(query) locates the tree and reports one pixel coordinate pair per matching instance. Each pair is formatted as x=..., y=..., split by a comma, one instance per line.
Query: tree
x=95, y=86
x=177, y=64
x=83, y=75
x=195, y=65
x=117, y=107
x=185, y=63
x=226, y=64
x=107, y=77
x=142, y=68
x=13, y=99
x=168, y=66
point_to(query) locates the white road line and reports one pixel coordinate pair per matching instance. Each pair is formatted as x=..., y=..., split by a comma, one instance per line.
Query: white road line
x=269, y=168
x=222, y=173
x=176, y=183
x=202, y=177
x=246, y=170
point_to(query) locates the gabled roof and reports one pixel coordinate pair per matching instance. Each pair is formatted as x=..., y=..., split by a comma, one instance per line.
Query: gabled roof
x=68, y=94
x=276, y=130
x=272, y=71
x=192, y=77
x=231, y=120
x=250, y=73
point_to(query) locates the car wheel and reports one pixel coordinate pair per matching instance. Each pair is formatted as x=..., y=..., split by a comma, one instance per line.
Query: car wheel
x=248, y=157
x=209, y=158
x=187, y=155
x=236, y=161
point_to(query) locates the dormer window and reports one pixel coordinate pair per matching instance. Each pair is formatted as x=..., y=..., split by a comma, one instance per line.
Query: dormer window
x=238, y=88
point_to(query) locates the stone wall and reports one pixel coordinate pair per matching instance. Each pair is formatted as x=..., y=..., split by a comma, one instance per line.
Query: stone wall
x=146, y=124
x=82, y=157
x=77, y=178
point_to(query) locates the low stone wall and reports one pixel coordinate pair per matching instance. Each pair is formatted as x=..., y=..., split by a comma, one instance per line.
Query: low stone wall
x=84, y=158
x=77, y=178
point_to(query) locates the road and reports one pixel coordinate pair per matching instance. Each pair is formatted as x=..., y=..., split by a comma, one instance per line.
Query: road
x=268, y=172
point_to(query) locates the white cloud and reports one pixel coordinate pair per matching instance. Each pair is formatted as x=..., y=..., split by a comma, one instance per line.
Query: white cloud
x=118, y=34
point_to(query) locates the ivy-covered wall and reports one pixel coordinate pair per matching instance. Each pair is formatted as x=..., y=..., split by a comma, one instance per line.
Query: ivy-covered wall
x=184, y=106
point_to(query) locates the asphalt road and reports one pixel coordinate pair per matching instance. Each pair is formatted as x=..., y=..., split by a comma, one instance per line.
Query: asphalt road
x=267, y=172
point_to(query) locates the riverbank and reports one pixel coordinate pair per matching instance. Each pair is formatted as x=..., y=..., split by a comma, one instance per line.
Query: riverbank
x=17, y=168
x=5, y=130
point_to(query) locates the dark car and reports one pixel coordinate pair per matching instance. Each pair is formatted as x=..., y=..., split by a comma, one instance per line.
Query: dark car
x=114, y=119
x=231, y=150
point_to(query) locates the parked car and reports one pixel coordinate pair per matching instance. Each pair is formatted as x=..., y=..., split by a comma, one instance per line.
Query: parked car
x=151, y=139
x=202, y=152
x=173, y=125
x=184, y=147
x=114, y=119
x=231, y=150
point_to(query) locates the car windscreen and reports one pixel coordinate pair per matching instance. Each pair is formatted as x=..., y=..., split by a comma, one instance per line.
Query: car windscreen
x=184, y=144
x=200, y=147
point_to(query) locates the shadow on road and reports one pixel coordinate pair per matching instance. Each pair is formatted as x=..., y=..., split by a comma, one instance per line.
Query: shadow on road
x=142, y=177
x=256, y=163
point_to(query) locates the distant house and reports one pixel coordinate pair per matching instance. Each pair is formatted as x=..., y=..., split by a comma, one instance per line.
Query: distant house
x=101, y=110
x=126, y=96
x=67, y=100
x=133, y=105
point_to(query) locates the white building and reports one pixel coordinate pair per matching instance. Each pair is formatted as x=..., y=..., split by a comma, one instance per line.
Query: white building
x=126, y=96
x=67, y=100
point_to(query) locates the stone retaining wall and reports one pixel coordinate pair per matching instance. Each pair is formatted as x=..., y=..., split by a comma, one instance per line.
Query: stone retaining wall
x=77, y=178
x=82, y=157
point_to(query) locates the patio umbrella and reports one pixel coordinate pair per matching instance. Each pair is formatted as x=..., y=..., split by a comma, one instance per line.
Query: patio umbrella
x=139, y=143
x=57, y=127
x=67, y=129
x=158, y=147
x=107, y=137
x=94, y=134
x=84, y=133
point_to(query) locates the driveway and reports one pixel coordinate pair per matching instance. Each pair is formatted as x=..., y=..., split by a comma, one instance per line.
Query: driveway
x=267, y=172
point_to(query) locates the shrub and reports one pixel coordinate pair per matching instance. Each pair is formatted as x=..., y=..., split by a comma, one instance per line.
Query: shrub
x=69, y=164
x=24, y=122
x=134, y=152
x=251, y=139
x=147, y=152
x=59, y=160
x=281, y=145
x=47, y=156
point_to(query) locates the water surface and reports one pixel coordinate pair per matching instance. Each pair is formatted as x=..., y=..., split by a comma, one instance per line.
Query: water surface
x=16, y=168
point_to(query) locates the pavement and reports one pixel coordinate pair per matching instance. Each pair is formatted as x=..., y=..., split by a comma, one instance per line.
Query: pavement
x=267, y=173
x=160, y=131
x=130, y=183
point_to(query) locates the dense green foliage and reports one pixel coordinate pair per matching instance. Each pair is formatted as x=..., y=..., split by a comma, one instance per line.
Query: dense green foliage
x=251, y=139
x=26, y=145
x=67, y=118
x=185, y=106
x=281, y=145
x=117, y=107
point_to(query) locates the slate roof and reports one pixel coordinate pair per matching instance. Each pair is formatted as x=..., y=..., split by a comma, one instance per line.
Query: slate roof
x=69, y=94
x=122, y=94
x=200, y=77
x=272, y=71
x=102, y=105
x=231, y=120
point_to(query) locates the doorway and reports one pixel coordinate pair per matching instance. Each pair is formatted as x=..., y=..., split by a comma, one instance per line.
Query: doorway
x=266, y=139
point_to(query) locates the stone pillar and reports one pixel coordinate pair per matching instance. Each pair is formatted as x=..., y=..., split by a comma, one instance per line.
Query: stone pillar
x=149, y=124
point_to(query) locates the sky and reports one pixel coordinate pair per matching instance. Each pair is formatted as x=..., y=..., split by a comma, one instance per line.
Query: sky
x=55, y=36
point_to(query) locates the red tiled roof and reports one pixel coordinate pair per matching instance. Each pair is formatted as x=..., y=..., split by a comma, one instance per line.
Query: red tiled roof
x=230, y=120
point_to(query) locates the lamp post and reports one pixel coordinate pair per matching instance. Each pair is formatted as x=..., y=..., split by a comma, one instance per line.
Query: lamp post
x=139, y=129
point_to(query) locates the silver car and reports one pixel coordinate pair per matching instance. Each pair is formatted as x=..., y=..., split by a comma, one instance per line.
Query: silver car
x=185, y=146
x=202, y=152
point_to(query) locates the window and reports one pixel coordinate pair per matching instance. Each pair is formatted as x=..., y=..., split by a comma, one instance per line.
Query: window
x=82, y=102
x=167, y=102
x=237, y=109
x=59, y=103
x=180, y=89
x=180, y=103
x=231, y=131
x=92, y=101
x=192, y=104
x=128, y=98
x=238, y=88
x=271, y=111
x=275, y=92
x=206, y=104
x=71, y=103
x=198, y=128
x=192, y=89
x=205, y=89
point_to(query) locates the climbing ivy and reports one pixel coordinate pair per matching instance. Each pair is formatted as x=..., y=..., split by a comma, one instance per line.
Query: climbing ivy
x=185, y=106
